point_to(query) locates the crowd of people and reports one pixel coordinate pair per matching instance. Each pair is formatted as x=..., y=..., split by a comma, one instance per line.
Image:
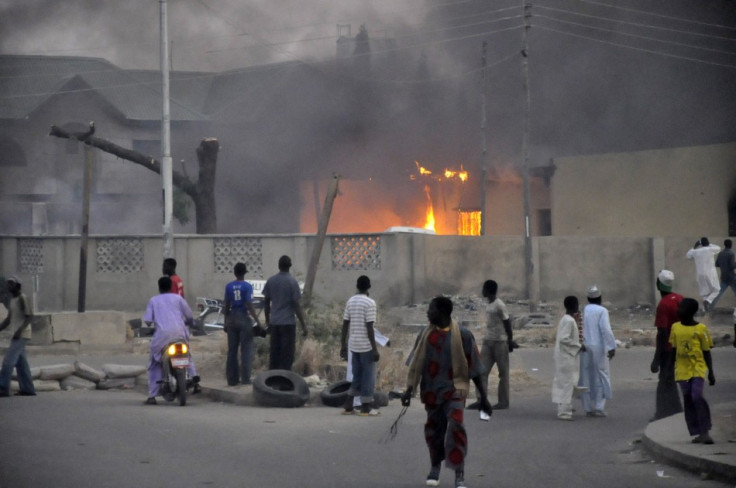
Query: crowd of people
x=445, y=357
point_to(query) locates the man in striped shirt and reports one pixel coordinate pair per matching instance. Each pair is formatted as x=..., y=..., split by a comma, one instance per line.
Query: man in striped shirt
x=358, y=319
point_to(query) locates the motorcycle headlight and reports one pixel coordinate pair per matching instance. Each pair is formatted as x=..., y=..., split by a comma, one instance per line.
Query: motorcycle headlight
x=172, y=349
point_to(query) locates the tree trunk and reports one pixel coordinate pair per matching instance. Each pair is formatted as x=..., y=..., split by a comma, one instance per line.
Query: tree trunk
x=204, y=206
x=202, y=192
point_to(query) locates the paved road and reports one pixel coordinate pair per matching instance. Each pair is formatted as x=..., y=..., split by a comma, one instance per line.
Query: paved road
x=109, y=439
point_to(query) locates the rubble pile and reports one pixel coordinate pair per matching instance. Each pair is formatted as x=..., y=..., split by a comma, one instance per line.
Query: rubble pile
x=80, y=376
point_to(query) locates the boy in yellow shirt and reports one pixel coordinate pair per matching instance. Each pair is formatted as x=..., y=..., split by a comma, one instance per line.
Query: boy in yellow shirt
x=691, y=344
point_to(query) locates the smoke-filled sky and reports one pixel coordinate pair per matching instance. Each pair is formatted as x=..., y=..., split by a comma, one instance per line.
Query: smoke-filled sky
x=205, y=34
x=616, y=61
x=604, y=75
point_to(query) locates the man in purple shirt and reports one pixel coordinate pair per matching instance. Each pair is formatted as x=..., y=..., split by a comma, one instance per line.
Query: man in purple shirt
x=169, y=313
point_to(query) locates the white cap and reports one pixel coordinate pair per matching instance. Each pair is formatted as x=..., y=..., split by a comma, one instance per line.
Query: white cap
x=666, y=277
x=594, y=292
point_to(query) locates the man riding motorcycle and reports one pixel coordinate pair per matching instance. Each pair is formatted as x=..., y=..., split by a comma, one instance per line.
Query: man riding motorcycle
x=171, y=314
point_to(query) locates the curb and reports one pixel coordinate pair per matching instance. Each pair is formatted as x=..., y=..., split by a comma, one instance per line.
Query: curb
x=713, y=468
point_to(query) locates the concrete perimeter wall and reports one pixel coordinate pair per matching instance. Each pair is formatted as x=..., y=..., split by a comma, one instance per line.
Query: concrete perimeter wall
x=404, y=268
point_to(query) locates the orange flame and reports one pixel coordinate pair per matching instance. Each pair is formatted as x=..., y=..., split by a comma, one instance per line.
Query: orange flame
x=447, y=173
x=460, y=174
x=422, y=169
x=469, y=222
x=429, y=222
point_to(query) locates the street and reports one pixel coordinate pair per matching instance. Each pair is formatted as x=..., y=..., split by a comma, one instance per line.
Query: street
x=109, y=439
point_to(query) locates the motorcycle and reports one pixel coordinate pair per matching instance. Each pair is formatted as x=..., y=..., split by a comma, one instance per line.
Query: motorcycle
x=211, y=317
x=176, y=381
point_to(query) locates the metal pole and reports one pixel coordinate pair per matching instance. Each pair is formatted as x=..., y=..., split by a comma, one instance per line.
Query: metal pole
x=166, y=164
x=483, y=148
x=88, y=168
x=528, y=265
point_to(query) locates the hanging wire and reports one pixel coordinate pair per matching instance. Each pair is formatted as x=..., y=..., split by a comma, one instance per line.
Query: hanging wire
x=394, y=430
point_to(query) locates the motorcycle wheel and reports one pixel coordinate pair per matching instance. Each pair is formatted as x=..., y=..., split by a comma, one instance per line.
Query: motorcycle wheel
x=181, y=386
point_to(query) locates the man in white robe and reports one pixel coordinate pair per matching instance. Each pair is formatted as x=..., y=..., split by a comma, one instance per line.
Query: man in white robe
x=600, y=347
x=704, y=255
x=567, y=364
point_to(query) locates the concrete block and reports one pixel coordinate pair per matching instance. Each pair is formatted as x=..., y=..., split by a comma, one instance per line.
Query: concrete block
x=88, y=372
x=89, y=328
x=74, y=382
x=117, y=383
x=41, y=331
x=56, y=372
x=123, y=370
x=47, y=385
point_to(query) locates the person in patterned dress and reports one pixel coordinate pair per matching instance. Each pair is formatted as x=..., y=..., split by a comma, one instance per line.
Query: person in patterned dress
x=445, y=359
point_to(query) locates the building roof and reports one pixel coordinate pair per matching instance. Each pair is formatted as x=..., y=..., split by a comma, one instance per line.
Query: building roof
x=249, y=88
x=27, y=82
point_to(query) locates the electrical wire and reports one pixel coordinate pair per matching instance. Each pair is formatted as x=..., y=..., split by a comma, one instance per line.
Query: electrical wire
x=635, y=24
x=661, y=16
x=675, y=43
x=650, y=51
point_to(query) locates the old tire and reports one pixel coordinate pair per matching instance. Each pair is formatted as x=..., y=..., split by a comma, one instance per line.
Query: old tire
x=336, y=394
x=380, y=399
x=280, y=388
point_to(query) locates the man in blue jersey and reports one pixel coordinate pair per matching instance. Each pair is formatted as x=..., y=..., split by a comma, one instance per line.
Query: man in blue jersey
x=238, y=303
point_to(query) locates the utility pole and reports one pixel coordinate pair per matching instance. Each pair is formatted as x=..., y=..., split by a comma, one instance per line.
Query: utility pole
x=528, y=265
x=166, y=164
x=89, y=160
x=483, y=148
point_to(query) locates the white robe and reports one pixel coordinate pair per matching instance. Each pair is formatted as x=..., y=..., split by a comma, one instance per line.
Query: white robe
x=705, y=270
x=567, y=365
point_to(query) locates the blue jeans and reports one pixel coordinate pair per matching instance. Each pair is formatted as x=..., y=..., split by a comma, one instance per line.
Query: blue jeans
x=15, y=357
x=239, y=335
x=364, y=376
x=724, y=287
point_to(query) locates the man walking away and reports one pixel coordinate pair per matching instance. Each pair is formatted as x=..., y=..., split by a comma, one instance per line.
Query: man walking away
x=281, y=297
x=19, y=319
x=359, y=318
x=703, y=253
x=238, y=303
x=668, y=399
x=600, y=347
x=727, y=264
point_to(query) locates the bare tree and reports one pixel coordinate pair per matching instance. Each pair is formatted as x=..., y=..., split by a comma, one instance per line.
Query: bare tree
x=202, y=192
